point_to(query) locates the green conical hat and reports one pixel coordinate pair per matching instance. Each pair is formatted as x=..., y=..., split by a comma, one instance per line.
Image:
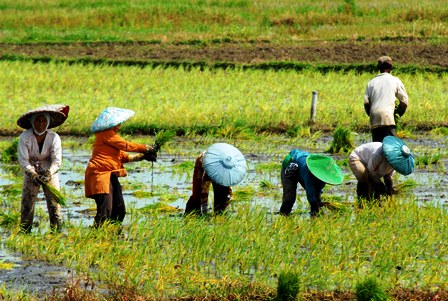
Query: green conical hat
x=325, y=169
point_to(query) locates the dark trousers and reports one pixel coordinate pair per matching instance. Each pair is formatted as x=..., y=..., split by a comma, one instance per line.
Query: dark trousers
x=110, y=207
x=379, y=133
x=221, y=200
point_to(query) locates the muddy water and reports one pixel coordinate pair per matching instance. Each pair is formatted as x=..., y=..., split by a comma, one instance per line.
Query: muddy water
x=164, y=178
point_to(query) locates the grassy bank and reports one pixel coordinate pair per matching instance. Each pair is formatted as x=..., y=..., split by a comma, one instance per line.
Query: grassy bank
x=222, y=102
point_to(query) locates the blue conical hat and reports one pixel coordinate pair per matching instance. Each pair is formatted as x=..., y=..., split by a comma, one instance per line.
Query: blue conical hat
x=224, y=164
x=110, y=117
x=398, y=155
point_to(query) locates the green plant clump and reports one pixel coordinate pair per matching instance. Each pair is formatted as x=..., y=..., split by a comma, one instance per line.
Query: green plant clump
x=342, y=141
x=370, y=290
x=288, y=286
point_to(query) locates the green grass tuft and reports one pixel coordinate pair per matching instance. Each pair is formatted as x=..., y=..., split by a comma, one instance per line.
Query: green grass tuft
x=288, y=286
x=370, y=290
x=342, y=141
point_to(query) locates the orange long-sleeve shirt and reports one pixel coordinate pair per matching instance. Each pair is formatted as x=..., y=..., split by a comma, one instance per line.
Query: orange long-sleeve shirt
x=108, y=156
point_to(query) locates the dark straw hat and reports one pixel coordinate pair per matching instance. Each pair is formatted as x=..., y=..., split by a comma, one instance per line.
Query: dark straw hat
x=58, y=114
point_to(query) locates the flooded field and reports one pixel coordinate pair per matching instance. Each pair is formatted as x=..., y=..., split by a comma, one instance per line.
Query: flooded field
x=168, y=182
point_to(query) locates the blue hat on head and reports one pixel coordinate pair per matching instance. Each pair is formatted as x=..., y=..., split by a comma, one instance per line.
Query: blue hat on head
x=398, y=155
x=224, y=164
x=109, y=118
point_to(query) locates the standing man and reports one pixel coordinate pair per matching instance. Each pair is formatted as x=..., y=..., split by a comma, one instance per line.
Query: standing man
x=379, y=100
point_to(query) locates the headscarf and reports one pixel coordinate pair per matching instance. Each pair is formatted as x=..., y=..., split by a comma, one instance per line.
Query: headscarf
x=34, y=116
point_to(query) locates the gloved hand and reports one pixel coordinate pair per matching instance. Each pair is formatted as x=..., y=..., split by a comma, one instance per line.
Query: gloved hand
x=32, y=174
x=150, y=156
x=45, y=176
x=155, y=148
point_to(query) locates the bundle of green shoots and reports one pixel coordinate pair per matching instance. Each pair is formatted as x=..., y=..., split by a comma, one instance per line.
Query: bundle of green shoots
x=162, y=137
x=55, y=193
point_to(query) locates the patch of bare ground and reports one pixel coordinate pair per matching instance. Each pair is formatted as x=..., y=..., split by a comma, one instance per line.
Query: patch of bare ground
x=411, y=52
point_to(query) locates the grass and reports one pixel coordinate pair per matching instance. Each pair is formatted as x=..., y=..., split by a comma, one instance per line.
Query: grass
x=160, y=255
x=238, y=101
x=211, y=22
x=222, y=256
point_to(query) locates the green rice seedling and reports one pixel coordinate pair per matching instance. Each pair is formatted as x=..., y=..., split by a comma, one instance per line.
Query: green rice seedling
x=370, y=290
x=163, y=137
x=12, y=189
x=160, y=207
x=427, y=159
x=266, y=184
x=288, y=286
x=55, y=193
x=343, y=141
x=140, y=194
x=9, y=154
x=406, y=185
x=268, y=167
x=183, y=167
x=243, y=194
x=9, y=219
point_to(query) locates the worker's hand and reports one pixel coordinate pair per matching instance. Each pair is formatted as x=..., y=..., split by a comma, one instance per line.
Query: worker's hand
x=292, y=167
x=33, y=175
x=379, y=189
x=45, y=176
x=155, y=148
x=150, y=156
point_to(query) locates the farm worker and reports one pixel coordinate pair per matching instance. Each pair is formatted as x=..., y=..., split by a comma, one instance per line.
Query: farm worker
x=379, y=100
x=221, y=165
x=372, y=161
x=106, y=164
x=39, y=154
x=312, y=171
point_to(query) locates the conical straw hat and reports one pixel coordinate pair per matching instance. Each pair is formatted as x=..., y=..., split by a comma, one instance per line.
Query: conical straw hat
x=58, y=114
x=398, y=155
x=109, y=118
x=224, y=164
x=325, y=169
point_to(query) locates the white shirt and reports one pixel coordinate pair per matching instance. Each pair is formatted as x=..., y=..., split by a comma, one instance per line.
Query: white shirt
x=380, y=95
x=371, y=154
x=29, y=156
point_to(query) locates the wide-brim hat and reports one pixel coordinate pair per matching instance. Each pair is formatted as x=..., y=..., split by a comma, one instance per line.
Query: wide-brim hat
x=398, y=155
x=224, y=164
x=325, y=169
x=58, y=114
x=110, y=117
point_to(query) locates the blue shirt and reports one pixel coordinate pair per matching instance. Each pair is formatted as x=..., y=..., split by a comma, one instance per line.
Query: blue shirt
x=312, y=185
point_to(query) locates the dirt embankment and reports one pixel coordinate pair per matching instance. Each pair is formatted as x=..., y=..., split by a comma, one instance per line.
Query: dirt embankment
x=417, y=53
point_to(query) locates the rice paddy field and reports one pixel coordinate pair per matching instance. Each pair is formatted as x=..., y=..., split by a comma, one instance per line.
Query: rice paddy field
x=240, y=72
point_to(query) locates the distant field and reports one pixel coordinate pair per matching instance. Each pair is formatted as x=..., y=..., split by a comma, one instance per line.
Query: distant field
x=184, y=21
x=218, y=102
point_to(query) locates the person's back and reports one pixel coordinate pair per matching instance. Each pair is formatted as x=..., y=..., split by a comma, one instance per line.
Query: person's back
x=379, y=100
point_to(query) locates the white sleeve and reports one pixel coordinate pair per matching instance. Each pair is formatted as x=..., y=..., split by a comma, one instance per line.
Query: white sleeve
x=56, y=155
x=23, y=154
